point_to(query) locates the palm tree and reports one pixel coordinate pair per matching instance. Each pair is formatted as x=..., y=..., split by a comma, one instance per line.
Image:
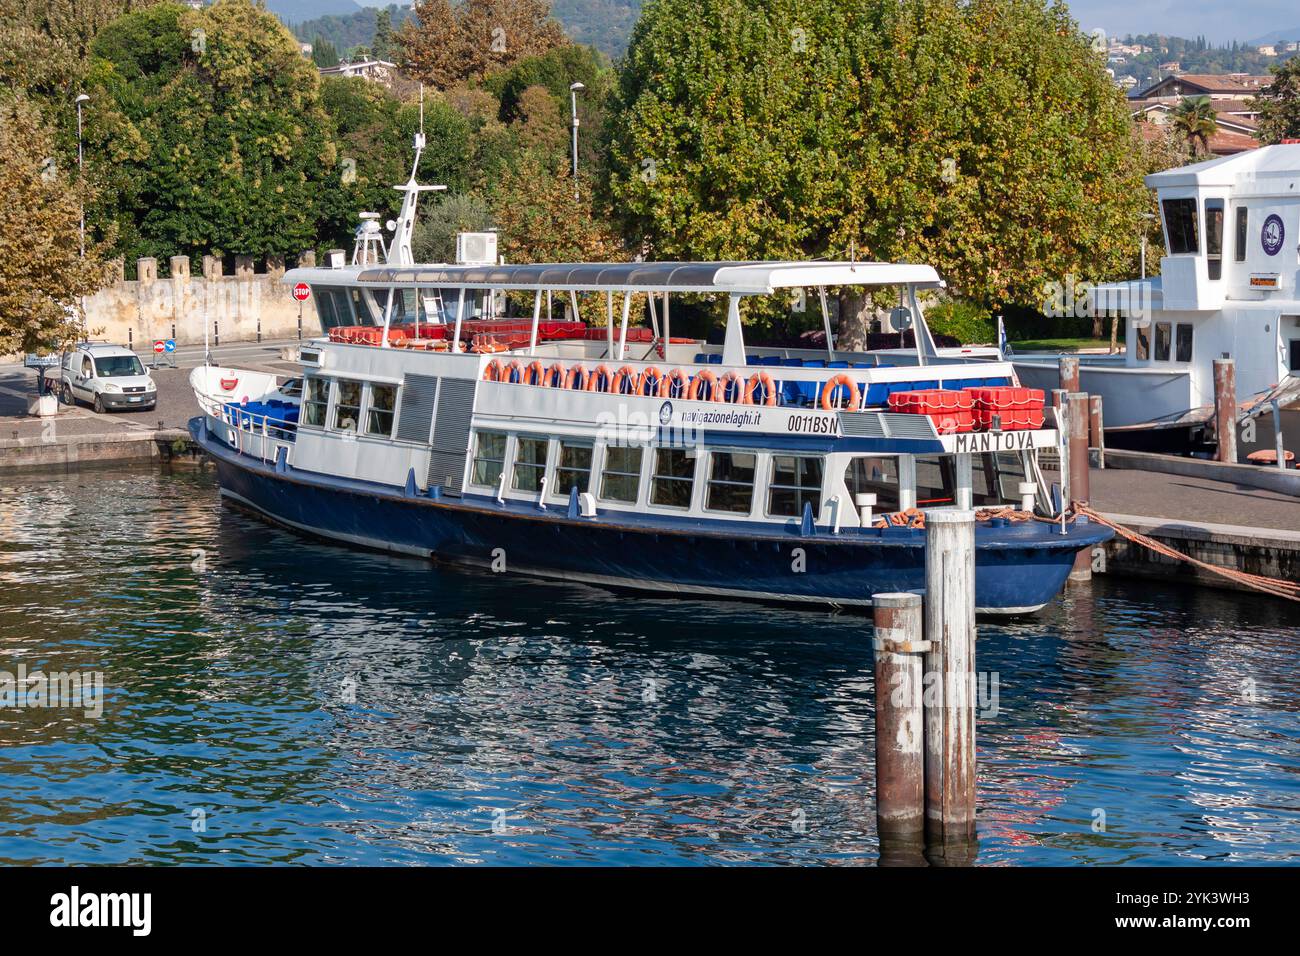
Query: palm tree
x=1196, y=120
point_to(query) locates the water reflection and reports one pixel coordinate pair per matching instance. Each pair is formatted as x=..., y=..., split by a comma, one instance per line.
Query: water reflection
x=315, y=704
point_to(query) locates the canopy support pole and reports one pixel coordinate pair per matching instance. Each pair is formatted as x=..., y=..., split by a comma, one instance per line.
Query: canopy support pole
x=826, y=322
x=622, y=335
x=609, y=324
x=460, y=314
x=925, y=347
x=573, y=301
x=388, y=316
x=667, y=334
x=733, y=347
x=537, y=315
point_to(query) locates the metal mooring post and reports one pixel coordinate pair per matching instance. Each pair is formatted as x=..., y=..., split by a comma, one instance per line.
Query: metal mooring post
x=900, y=732
x=948, y=700
x=1225, y=409
x=1079, y=490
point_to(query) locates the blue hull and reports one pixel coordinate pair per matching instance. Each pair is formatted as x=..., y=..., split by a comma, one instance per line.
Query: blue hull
x=1019, y=566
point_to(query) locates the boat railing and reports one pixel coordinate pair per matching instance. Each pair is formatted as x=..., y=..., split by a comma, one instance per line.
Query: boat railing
x=254, y=433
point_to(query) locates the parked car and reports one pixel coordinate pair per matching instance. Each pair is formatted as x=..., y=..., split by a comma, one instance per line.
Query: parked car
x=108, y=377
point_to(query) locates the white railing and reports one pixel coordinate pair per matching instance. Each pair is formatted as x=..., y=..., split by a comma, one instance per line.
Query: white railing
x=256, y=434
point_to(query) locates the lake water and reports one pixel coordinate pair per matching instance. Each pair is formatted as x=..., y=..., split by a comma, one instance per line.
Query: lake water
x=274, y=700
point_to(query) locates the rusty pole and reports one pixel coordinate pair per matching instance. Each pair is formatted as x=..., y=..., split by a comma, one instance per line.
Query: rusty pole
x=900, y=754
x=1077, y=417
x=1068, y=370
x=1225, y=409
x=1097, y=430
x=950, y=678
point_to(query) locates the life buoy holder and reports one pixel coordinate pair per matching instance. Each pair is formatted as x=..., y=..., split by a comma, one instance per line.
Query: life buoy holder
x=678, y=377
x=834, y=382
x=702, y=376
x=492, y=371
x=593, y=382
x=577, y=377
x=626, y=374
x=769, y=390
x=732, y=377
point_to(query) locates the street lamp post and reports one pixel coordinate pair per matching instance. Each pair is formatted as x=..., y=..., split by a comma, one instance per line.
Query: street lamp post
x=574, y=90
x=83, y=98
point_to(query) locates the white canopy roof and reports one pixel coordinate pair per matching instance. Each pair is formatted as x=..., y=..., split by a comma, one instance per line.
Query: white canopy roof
x=742, y=278
x=1279, y=164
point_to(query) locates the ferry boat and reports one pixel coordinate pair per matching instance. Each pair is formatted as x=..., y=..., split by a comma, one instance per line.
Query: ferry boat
x=429, y=423
x=1227, y=289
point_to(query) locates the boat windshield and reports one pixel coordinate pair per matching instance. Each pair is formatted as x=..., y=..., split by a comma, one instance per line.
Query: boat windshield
x=113, y=366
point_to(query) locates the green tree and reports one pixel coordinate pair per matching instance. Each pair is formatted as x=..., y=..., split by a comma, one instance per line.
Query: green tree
x=1279, y=106
x=1196, y=120
x=209, y=132
x=983, y=137
x=42, y=273
x=383, y=45
x=444, y=44
x=324, y=53
x=434, y=239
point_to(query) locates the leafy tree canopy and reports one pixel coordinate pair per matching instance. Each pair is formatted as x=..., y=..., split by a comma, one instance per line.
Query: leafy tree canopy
x=1279, y=107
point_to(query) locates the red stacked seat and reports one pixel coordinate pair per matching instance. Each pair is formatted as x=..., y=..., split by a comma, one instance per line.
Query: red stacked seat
x=1015, y=408
x=949, y=409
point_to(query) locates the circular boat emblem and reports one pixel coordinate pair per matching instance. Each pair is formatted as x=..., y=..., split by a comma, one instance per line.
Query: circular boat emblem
x=665, y=413
x=1273, y=235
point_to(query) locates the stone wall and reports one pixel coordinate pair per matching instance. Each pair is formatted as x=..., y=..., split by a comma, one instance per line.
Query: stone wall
x=234, y=308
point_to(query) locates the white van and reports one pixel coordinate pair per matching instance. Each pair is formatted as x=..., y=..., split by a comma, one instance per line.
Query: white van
x=107, y=377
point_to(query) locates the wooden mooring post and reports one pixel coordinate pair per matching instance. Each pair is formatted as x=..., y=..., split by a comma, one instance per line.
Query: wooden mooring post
x=1067, y=369
x=950, y=683
x=1225, y=409
x=900, y=754
x=1077, y=418
x=1097, y=430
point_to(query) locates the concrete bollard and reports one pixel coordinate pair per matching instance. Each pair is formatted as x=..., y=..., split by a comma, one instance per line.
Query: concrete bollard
x=900, y=751
x=1077, y=417
x=866, y=503
x=949, y=673
x=1225, y=409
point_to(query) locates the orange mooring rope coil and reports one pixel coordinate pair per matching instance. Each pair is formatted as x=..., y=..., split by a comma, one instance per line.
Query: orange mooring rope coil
x=1258, y=582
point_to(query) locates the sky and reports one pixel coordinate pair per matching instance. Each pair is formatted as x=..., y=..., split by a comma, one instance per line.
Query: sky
x=1220, y=21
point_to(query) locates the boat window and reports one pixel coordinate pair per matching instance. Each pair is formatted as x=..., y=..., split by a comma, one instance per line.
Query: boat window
x=878, y=476
x=316, y=398
x=489, y=459
x=1162, y=341
x=1183, y=344
x=1214, y=237
x=383, y=401
x=573, y=469
x=795, y=481
x=361, y=308
x=333, y=307
x=996, y=478
x=673, y=479
x=1243, y=219
x=936, y=479
x=1293, y=355
x=731, y=482
x=1143, y=342
x=348, y=407
x=620, y=480
x=1180, y=226
x=530, y=463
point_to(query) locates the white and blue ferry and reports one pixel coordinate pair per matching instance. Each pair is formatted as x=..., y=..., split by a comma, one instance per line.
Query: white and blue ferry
x=428, y=423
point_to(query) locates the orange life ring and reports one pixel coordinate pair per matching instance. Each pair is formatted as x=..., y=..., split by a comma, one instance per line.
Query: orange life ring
x=703, y=375
x=578, y=374
x=557, y=372
x=769, y=391
x=535, y=374
x=666, y=383
x=492, y=371
x=728, y=377
x=514, y=368
x=834, y=382
x=626, y=373
x=648, y=387
x=593, y=383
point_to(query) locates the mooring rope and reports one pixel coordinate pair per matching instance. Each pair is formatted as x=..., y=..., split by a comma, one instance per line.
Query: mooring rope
x=1274, y=586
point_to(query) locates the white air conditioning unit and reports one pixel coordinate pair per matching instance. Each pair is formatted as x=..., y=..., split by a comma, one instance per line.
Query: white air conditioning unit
x=476, y=248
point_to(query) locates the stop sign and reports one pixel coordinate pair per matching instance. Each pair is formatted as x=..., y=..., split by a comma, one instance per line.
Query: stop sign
x=301, y=291
x=159, y=346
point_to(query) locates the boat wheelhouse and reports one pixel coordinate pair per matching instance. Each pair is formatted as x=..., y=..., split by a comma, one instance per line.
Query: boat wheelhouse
x=1228, y=288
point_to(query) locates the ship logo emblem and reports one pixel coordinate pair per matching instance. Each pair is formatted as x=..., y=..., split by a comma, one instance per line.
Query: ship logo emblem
x=1273, y=235
x=665, y=413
